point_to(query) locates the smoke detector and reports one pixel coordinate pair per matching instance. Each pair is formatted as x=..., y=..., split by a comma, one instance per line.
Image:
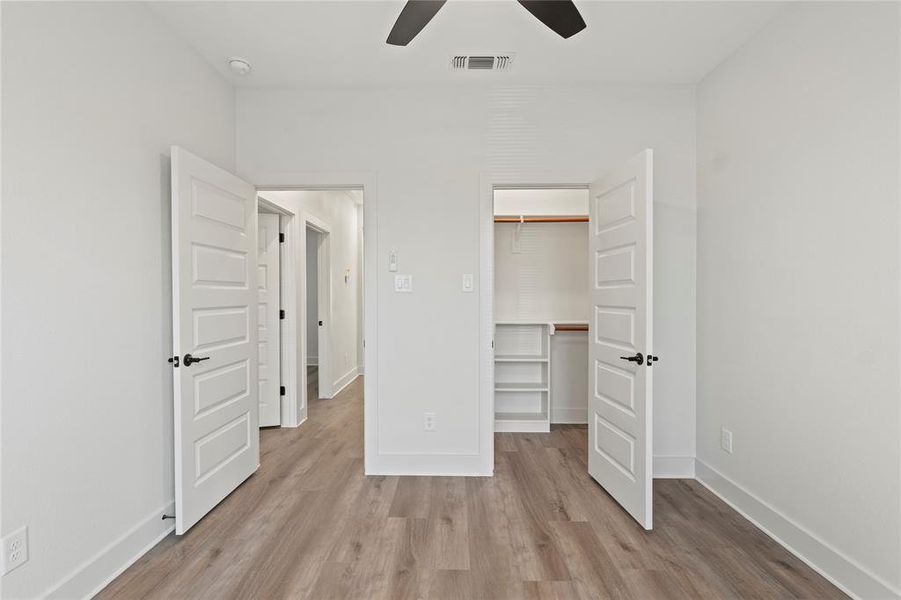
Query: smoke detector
x=239, y=66
x=481, y=62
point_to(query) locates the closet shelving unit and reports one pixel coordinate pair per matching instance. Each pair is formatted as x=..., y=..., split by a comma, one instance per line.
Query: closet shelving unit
x=522, y=373
x=522, y=376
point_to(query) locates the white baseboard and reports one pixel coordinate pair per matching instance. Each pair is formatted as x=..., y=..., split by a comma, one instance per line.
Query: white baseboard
x=569, y=416
x=312, y=361
x=98, y=571
x=343, y=381
x=852, y=578
x=674, y=467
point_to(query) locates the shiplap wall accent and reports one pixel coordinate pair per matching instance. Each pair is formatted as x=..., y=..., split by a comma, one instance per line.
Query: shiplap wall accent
x=547, y=278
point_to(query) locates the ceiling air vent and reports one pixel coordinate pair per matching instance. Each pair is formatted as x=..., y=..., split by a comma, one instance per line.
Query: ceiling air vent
x=481, y=62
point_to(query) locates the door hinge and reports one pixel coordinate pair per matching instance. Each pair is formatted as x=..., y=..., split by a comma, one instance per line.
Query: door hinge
x=281, y=238
x=281, y=391
x=281, y=314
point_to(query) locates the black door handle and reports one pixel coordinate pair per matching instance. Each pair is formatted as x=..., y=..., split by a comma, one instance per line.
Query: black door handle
x=638, y=358
x=190, y=360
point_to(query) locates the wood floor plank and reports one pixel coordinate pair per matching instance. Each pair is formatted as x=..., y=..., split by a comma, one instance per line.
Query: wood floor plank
x=309, y=524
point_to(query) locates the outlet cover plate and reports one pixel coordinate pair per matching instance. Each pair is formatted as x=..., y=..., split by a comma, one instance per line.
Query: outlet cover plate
x=15, y=550
x=726, y=440
x=430, y=421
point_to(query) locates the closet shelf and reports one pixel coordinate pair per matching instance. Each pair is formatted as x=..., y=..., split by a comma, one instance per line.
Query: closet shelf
x=519, y=358
x=521, y=416
x=520, y=387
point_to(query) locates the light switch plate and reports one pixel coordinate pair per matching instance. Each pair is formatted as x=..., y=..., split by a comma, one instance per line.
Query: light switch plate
x=392, y=261
x=467, y=282
x=403, y=283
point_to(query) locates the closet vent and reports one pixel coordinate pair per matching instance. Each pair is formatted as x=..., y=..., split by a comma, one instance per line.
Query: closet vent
x=497, y=62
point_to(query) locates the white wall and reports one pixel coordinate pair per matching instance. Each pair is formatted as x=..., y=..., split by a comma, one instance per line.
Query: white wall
x=519, y=202
x=93, y=96
x=547, y=278
x=338, y=209
x=312, y=295
x=428, y=148
x=798, y=287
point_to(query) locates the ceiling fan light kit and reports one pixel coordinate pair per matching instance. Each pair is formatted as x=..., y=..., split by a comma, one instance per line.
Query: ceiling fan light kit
x=561, y=16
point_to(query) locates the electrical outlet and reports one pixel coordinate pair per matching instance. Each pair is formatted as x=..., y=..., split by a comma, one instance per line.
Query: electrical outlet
x=726, y=440
x=431, y=421
x=15, y=550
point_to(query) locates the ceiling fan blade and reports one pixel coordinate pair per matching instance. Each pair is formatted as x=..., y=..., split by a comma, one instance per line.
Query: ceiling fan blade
x=562, y=16
x=415, y=15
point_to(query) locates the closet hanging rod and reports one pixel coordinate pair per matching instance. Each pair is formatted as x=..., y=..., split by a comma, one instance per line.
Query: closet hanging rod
x=542, y=219
x=571, y=327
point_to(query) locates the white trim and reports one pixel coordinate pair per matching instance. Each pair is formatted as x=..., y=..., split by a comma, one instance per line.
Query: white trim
x=98, y=571
x=323, y=301
x=486, y=325
x=487, y=184
x=319, y=180
x=345, y=380
x=569, y=416
x=843, y=571
x=674, y=467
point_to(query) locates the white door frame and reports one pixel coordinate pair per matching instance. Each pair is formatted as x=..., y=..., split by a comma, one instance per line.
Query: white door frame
x=288, y=293
x=323, y=305
x=488, y=183
x=374, y=463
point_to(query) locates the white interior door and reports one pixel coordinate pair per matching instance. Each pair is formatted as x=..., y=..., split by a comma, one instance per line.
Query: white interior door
x=214, y=315
x=269, y=341
x=327, y=367
x=620, y=340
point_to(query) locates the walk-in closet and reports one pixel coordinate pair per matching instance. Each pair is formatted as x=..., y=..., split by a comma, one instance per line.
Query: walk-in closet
x=540, y=308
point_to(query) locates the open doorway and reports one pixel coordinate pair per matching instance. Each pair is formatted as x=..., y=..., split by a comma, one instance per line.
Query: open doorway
x=238, y=262
x=330, y=312
x=561, y=261
x=541, y=308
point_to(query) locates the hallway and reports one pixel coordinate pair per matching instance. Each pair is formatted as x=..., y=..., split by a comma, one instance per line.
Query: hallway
x=309, y=525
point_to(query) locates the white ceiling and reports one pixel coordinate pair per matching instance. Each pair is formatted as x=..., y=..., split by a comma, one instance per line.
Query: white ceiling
x=342, y=43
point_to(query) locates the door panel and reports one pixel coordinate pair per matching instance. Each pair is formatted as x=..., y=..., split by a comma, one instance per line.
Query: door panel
x=620, y=290
x=269, y=303
x=214, y=296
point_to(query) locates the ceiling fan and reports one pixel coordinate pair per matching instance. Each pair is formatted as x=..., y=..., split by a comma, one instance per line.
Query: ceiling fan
x=561, y=16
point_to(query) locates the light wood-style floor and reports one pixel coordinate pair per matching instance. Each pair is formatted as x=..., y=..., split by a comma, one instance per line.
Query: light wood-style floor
x=310, y=525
